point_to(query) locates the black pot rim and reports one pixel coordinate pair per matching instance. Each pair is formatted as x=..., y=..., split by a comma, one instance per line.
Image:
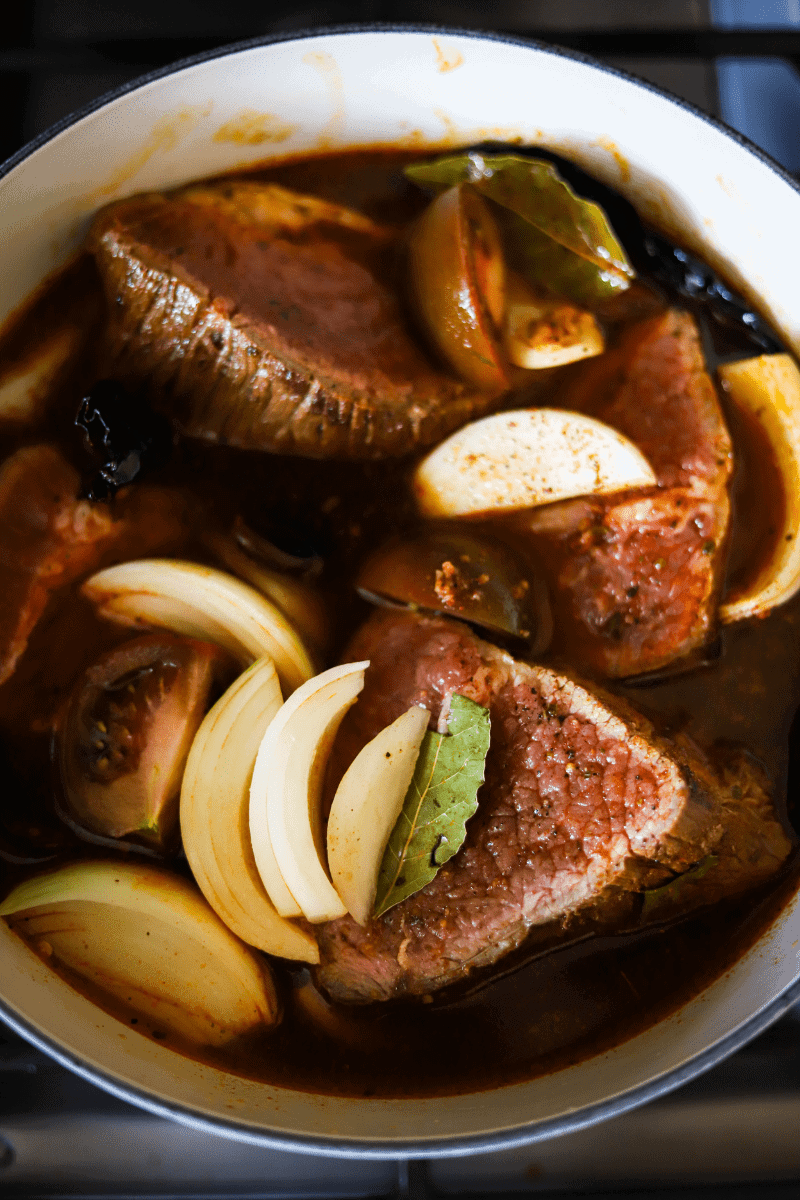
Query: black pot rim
x=505, y=1139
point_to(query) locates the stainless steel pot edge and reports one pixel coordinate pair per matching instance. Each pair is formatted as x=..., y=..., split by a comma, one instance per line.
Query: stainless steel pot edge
x=492, y=1140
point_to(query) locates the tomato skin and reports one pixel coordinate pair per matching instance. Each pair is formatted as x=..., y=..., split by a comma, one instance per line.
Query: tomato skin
x=457, y=280
x=126, y=733
x=464, y=575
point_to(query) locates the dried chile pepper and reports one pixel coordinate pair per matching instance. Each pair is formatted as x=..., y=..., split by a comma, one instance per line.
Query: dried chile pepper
x=125, y=433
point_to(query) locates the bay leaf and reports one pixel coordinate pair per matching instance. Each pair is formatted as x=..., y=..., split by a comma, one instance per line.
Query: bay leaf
x=553, y=237
x=442, y=796
x=675, y=891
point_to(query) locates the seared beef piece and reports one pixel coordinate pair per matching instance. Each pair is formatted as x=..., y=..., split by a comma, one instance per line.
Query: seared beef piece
x=751, y=849
x=270, y=320
x=49, y=537
x=581, y=799
x=640, y=574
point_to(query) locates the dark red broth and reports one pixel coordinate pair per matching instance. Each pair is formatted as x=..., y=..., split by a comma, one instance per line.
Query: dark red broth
x=553, y=1002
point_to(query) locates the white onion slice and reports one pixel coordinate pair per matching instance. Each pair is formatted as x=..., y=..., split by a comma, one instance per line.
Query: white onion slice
x=149, y=938
x=286, y=792
x=204, y=603
x=24, y=388
x=366, y=807
x=767, y=389
x=215, y=827
x=522, y=459
x=541, y=332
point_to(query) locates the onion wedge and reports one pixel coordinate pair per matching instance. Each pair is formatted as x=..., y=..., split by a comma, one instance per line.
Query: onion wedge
x=297, y=600
x=148, y=938
x=542, y=332
x=767, y=389
x=202, y=603
x=286, y=792
x=24, y=389
x=215, y=829
x=523, y=459
x=366, y=806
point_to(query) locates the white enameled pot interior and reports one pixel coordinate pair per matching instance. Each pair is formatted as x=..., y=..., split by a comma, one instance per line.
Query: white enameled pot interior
x=413, y=89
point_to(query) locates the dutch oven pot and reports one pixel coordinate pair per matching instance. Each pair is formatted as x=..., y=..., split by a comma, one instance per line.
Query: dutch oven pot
x=409, y=88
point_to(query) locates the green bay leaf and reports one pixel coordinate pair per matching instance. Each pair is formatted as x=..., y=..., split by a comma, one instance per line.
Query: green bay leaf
x=676, y=890
x=553, y=237
x=442, y=796
x=546, y=264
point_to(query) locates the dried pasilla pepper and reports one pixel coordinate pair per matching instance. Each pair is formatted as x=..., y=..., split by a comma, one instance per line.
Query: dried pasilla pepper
x=698, y=285
x=124, y=433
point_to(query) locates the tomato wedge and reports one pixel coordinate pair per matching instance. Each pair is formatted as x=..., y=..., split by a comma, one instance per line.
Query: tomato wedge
x=457, y=275
x=127, y=730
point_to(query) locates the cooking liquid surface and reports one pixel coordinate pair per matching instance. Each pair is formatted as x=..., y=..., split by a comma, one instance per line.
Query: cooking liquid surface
x=564, y=995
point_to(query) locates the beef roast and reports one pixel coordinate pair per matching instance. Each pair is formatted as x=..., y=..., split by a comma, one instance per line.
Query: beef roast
x=639, y=575
x=581, y=799
x=269, y=320
x=752, y=847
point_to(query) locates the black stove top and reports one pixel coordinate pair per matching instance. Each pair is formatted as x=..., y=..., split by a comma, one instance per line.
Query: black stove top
x=732, y=1133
